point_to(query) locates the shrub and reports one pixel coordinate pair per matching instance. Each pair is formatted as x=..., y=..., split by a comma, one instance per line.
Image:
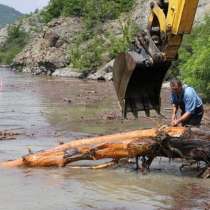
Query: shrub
x=16, y=41
x=93, y=10
x=195, y=59
x=53, y=10
x=88, y=56
x=122, y=44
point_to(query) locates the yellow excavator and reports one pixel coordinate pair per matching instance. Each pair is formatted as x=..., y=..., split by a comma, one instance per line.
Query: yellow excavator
x=138, y=74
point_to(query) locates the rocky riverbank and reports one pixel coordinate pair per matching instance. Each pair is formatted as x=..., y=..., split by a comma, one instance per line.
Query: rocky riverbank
x=47, y=52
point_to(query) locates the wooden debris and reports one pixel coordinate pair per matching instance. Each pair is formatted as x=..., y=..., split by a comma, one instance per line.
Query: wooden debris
x=171, y=142
x=114, y=146
x=8, y=135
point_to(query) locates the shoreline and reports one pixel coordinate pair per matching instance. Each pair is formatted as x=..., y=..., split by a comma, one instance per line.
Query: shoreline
x=103, y=73
x=5, y=66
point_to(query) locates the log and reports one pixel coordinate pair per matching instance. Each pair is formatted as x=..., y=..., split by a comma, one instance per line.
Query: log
x=8, y=135
x=171, y=142
x=116, y=146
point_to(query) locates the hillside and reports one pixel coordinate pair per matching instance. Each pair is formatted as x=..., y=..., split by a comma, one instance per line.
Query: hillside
x=8, y=15
x=76, y=37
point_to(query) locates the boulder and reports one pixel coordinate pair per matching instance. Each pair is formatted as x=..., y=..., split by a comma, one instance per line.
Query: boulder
x=202, y=10
x=50, y=49
x=51, y=37
x=67, y=72
x=105, y=73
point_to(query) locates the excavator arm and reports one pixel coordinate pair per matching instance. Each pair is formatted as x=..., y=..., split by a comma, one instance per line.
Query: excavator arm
x=138, y=74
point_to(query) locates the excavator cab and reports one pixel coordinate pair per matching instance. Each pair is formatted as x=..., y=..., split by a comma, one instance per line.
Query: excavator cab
x=138, y=74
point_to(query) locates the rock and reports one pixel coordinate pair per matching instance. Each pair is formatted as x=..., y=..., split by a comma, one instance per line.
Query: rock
x=105, y=73
x=110, y=116
x=3, y=36
x=32, y=24
x=140, y=13
x=38, y=70
x=91, y=92
x=202, y=10
x=51, y=37
x=108, y=76
x=67, y=100
x=26, y=69
x=67, y=72
x=50, y=49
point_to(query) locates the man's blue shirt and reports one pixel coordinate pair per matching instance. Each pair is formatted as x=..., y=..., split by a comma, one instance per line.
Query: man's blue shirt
x=190, y=99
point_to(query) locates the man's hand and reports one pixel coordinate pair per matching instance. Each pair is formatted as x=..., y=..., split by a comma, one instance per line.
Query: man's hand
x=175, y=122
x=183, y=118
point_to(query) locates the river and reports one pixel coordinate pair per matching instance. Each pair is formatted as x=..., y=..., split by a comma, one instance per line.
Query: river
x=47, y=110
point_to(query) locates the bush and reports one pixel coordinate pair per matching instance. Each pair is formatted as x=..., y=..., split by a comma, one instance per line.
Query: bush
x=195, y=59
x=89, y=56
x=53, y=10
x=93, y=11
x=122, y=44
x=16, y=41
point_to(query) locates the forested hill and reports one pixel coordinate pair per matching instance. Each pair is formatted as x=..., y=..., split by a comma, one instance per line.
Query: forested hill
x=8, y=15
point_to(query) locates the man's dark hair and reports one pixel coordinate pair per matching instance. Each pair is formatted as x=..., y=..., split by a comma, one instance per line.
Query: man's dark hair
x=176, y=81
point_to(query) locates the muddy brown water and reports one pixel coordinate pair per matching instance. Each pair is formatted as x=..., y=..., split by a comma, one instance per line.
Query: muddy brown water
x=46, y=111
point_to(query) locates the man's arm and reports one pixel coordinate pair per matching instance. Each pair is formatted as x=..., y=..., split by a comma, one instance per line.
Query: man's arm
x=174, y=111
x=183, y=118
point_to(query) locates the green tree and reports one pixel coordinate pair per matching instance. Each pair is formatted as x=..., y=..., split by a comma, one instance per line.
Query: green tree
x=195, y=59
x=54, y=10
x=93, y=10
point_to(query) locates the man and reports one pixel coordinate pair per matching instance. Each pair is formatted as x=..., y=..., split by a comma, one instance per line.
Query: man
x=188, y=101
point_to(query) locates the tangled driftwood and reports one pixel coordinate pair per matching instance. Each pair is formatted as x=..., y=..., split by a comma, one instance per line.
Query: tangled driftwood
x=8, y=135
x=171, y=142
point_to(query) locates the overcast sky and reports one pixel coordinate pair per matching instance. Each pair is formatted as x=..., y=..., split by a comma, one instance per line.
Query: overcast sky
x=25, y=6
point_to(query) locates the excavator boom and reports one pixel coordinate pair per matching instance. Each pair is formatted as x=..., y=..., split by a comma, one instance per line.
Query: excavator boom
x=138, y=74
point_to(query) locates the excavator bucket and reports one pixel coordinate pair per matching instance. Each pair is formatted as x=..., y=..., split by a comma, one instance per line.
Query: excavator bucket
x=138, y=82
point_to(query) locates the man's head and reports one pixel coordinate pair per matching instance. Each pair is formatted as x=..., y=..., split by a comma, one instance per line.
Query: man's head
x=176, y=86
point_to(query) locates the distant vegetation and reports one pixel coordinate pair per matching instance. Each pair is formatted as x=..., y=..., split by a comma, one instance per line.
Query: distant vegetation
x=17, y=39
x=194, y=63
x=8, y=15
x=93, y=11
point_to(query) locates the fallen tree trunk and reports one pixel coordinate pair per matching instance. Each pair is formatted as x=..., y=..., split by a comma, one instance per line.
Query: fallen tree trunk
x=114, y=146
x=171, y=142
